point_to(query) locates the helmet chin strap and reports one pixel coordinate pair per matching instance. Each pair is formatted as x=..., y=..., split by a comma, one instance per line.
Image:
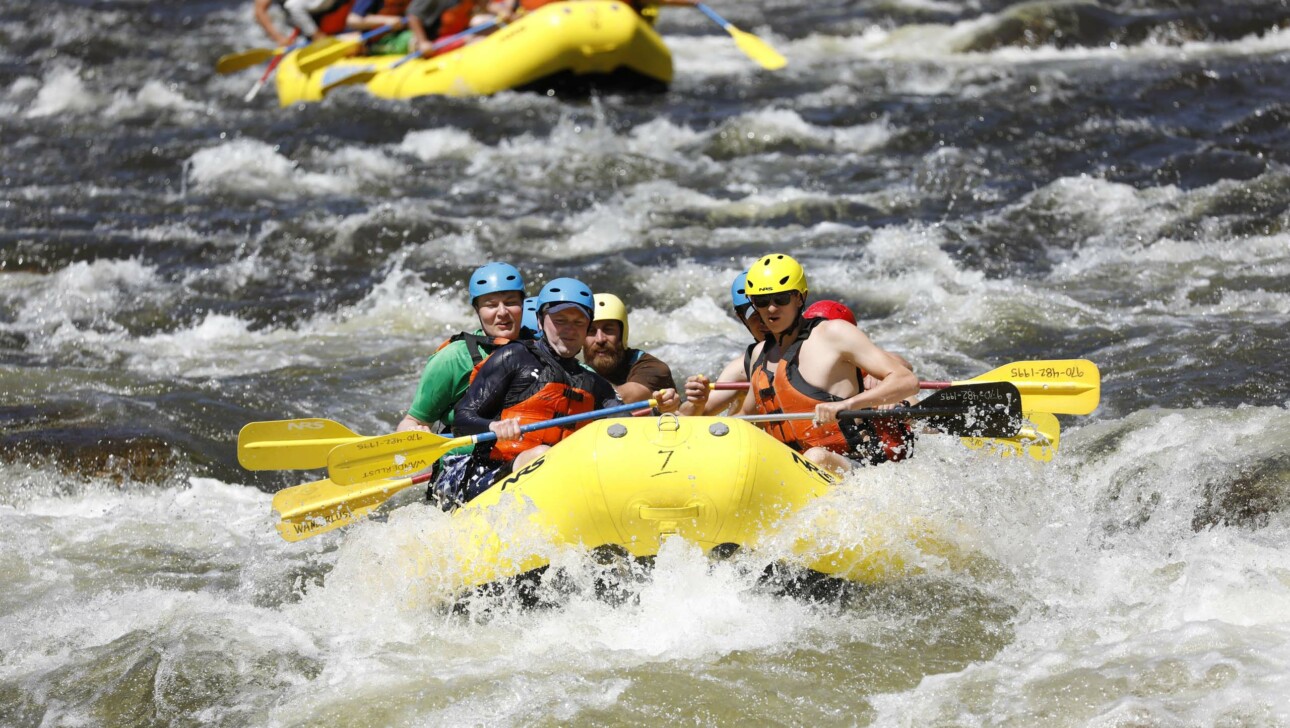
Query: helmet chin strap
x=797, y=320
x=790, y=331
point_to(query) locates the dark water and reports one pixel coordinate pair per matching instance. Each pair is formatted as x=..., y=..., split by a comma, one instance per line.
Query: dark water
x=982, y=182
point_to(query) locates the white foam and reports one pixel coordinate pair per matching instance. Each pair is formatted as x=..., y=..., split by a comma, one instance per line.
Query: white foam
x=81, y=295
x=1119, y=592
x=251, y=168
x=64, y=92
x=153, y=99
x=432, y=144
x=365, y=165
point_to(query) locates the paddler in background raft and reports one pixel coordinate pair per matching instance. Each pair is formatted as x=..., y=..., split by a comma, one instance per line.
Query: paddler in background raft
x=315, y=19
x=507, y=10
x=373, y=14
x=497, y=295
x=430, y=20
x=818, y=365
x=635, y=374
x=526, y=382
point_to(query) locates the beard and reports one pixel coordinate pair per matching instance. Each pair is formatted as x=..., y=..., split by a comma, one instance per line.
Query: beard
x=604, y=361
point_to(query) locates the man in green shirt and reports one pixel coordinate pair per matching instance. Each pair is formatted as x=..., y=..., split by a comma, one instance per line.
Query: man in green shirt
x=497, y=295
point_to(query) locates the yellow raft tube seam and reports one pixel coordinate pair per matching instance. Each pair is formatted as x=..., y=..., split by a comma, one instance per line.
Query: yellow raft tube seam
x=584, y=38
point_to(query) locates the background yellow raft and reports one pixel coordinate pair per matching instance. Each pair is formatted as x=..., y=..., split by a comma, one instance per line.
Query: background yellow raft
x=632, y=482
x=593, y=40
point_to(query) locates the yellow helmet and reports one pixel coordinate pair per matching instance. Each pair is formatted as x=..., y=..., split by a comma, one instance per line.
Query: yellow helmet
x=609, y=307
x=775, y=273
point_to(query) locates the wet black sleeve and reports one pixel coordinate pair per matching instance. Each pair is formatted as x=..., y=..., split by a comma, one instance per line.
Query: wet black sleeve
x=486, y=397
x=605, y=394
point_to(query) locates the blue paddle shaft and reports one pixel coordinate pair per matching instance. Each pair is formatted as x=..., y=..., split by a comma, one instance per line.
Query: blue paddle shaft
x=713, y=14
x=569, y=419
x=441, y=43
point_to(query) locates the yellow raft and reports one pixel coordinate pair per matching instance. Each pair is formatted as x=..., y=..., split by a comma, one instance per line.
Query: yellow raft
x=562, y=46
x=630, y=483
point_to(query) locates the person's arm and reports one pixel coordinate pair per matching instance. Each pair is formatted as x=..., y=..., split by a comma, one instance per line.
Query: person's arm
x=895, y=384
x=632, y=392
x=265, y=20
x=300, y=13
x=699, y=394
x=423, y=13
x=362, y=16
x=443, y=381
x=648, y=375
x=479, y=407
x=749, y=406
x=870, y=381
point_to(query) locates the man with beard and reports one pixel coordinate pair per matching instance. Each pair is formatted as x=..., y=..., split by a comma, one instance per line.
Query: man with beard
x=818, y=365
x=634, y=374
x=527, y=382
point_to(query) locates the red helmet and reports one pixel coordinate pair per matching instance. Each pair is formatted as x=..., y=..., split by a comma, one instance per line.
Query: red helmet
x=831, y=310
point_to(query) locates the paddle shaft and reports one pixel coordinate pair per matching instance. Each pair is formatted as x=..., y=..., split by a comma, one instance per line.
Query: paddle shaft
x=713, y=15
x=397, y=455
x=273, y=66
x=1023, y=386
x=1062, y=386
x=442, y=42
x=861, y=414
x=567, y=420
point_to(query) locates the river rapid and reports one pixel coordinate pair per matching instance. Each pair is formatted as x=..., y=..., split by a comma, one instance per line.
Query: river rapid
x=983, y=182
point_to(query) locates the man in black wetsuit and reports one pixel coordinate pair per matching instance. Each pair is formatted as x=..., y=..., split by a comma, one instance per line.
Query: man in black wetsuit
x=526, y=382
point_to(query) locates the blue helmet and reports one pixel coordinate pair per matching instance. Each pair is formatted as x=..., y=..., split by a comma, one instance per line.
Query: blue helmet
x=530, y=320
x=738, y=296
x=495, y=278
x=566, y=290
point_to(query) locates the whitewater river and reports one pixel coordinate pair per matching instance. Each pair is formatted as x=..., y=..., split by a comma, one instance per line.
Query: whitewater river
x=983, y=184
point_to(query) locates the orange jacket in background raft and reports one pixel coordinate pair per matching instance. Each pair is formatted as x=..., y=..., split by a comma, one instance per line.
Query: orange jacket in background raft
x=456, y=18
x=333, y=22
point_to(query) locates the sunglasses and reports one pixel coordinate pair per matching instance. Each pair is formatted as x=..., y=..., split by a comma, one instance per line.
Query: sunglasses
x=780, y=299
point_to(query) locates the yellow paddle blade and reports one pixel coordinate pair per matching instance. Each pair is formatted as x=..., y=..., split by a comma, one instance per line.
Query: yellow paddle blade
x=291, y=444
x=326, y=52
x=318, y=507
x=334, y=78
x=1038, y=439
x=1064, y=386
x=757, y=49
x=242, y=60
x=389, y=456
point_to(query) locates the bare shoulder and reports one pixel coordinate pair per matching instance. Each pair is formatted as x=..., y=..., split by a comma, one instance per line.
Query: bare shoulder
x=840, y=332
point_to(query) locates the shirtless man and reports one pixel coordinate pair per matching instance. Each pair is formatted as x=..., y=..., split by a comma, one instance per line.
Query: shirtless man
x=818, y=365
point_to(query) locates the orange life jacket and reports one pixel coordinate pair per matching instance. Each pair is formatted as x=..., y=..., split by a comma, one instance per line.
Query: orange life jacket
x=456, y=18
x=552, y=395
x=531, y=5
x=333, y=21
x=473, y=344
x=395, y=7
x=873, y=440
